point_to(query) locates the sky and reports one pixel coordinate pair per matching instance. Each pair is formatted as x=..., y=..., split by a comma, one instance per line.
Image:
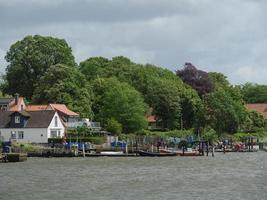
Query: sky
x=227, y=36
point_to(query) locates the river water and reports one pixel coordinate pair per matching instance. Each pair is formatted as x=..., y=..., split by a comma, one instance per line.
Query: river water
x=226, y=176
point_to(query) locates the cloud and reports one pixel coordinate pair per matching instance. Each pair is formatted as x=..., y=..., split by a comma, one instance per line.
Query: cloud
x=224, y=36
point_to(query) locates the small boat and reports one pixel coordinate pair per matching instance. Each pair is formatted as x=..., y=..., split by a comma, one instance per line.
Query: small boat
x=156, y=154
x=180, y=153
x=108, y=153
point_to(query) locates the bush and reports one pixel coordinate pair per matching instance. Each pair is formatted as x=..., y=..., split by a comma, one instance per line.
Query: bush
x=113, y=126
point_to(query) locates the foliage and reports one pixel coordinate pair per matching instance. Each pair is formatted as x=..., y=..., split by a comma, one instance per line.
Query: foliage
x=64, y=84
x=254, y=122
x=209, y=134
x=118, y=100
x=223, y=114
x=254, y=93
x=197, y=79
x=164, y=92
x=30, y=58
x=173, y=133
x=113, y=126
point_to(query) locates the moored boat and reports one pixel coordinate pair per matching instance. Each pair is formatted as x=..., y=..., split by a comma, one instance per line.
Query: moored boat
x=156, y=154
x=180, y=153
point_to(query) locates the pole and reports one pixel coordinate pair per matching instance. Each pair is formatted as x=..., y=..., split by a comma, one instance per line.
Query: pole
x=83, y=151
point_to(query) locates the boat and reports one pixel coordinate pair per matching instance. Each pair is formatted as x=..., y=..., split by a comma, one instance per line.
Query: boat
x=156, y=154
x=180, y=153
x=109, y=153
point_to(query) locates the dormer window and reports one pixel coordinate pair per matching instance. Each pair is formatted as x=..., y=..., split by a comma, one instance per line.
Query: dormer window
x=17, y=119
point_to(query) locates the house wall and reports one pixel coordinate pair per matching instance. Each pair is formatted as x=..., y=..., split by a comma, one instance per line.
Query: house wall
x=59, y=128
x=31, y=135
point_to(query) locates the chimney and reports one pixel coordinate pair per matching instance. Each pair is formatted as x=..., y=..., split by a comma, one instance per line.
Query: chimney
x=16, y=99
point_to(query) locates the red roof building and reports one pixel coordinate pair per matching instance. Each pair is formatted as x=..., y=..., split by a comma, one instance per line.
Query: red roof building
x=259, y=107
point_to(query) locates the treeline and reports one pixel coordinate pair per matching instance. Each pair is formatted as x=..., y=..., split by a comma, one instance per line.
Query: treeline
x=120, y=93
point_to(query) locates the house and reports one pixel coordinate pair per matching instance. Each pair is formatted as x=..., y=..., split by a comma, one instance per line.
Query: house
x=66, y=114
x=30, y=127
x=259, y=107
x=154, y=123
x=12, y=104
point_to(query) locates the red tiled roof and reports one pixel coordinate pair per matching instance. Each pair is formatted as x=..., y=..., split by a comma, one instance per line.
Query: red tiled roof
x=63, y=109
x=36, y=107
x=259, y=107
x=151, y=119
x=58, y=107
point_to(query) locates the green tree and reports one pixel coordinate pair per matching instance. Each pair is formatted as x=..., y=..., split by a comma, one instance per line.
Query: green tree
x=113, y=126
x=162, y=90
x=254, y=122
x=223, y=113
x=64, y=84
x=120, y=101
x=254, y=93
x=30, y=58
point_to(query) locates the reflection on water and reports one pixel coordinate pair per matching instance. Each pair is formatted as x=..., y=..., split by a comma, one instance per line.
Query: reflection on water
x=231, y=176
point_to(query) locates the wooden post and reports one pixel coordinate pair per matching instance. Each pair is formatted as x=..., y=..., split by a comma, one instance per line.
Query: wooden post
x=207, y=150
x=83, y=151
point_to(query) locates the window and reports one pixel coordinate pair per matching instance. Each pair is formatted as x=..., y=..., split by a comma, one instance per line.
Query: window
x=58, y=133
x=17, y=119
x=53, y=133
x=21, y=134
x=56, y=121
x=13, y=135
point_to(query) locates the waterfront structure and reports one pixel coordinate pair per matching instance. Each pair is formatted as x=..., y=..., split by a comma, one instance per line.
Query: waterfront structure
x=30, y=127
x=259, y=107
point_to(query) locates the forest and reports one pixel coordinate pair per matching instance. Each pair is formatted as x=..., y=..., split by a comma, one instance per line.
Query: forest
x=120, y=93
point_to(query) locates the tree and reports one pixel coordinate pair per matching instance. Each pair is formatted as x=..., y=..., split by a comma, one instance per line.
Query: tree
x=254, y=122
x=120, y=101
x=197, y=79
x=30, y=58
x=222, y=112
x=64, y=84
x=113, y=126
x=164, y=92
x=93, y=67
x=254, y=93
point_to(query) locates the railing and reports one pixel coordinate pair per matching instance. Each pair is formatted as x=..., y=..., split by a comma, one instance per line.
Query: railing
x=93, y=125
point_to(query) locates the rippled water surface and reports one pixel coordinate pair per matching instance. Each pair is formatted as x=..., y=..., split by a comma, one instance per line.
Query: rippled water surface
x=230, y=176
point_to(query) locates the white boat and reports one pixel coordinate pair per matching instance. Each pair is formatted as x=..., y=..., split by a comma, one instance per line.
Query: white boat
x=111, y=153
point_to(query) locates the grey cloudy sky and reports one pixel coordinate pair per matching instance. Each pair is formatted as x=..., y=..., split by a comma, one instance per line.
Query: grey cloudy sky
x=228, y=36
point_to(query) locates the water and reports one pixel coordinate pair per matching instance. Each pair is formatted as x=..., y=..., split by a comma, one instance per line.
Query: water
x=231, y=176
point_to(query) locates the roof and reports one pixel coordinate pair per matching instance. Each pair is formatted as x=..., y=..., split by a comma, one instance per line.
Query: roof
x=36, y=107
x=5, y=100
x=37, y=119
x=152, y=119
x=259, y=107
x=63, y=109
x=16, y=107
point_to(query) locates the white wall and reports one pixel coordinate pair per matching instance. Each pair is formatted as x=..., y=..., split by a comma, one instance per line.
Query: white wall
x=31, y=135
x=34, y=135
x=60, y=127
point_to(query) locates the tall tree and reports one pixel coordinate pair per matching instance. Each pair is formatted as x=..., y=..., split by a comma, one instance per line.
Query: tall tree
x=121, y=102
x=64, y=84
x=30, y=58
x=197, y=79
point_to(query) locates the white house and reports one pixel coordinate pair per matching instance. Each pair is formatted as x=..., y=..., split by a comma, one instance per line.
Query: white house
x=30, y=127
